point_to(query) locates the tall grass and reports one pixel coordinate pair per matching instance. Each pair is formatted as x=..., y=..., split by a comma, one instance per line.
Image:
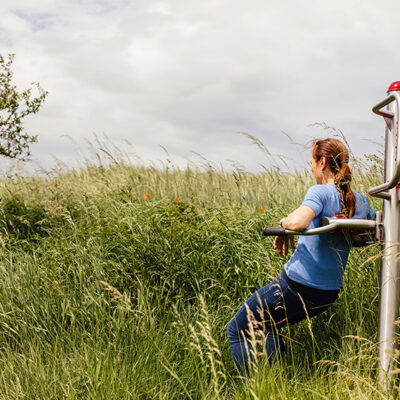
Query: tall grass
x=117, y=282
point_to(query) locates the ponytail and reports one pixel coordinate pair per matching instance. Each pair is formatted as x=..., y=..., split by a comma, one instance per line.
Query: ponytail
x=343, y=184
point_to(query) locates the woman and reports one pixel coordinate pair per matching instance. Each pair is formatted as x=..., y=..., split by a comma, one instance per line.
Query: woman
x=312, y=278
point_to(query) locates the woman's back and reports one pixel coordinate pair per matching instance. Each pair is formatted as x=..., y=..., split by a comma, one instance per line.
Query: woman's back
x=319, y=260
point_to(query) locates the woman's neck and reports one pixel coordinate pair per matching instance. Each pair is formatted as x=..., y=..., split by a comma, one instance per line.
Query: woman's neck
x=328, y=181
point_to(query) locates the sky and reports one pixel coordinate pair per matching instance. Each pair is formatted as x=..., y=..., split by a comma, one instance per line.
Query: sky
x=183, y=80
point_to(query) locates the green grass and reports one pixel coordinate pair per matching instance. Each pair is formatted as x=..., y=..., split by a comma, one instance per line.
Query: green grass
x=106, y=294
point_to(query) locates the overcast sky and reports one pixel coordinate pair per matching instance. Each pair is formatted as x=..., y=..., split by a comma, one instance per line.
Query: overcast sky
x=189, y=75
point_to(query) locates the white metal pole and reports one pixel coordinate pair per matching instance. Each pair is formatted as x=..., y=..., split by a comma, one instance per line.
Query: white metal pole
x=390, y=272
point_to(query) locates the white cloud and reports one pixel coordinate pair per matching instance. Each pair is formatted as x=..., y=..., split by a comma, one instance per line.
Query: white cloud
x=189, y=75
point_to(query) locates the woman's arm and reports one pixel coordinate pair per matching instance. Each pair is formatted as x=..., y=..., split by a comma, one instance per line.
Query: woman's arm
x=299, y=219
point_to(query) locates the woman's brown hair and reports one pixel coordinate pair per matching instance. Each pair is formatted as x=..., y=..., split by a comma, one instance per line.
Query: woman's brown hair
x=337, y=158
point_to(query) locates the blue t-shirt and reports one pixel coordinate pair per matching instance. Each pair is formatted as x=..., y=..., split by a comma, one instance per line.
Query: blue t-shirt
x=319, y=260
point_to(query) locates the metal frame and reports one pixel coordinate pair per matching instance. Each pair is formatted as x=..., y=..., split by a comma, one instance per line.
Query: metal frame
x=390, y=271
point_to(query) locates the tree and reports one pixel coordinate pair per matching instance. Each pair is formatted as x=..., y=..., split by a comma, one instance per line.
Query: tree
x=15, y=106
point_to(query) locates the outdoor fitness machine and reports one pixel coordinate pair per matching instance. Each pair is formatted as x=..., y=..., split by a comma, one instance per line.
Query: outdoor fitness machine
x=385, y=229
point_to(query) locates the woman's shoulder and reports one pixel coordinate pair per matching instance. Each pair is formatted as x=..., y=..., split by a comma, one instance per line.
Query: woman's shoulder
x=360, y=196
x=363, y=208
x=320, y=189
x=319, y=193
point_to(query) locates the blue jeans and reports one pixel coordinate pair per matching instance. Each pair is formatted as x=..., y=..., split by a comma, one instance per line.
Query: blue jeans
x=263, y=314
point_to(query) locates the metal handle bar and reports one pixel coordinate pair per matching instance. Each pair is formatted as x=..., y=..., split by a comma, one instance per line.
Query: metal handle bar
x=327, y=225
x=349, y=223
x=377, y=190
x=377, y=109
x=278, y=231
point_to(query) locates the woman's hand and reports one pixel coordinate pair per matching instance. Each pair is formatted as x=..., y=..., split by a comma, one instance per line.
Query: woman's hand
x=282, y=243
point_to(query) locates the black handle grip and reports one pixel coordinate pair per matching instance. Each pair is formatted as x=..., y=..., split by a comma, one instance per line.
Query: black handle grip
x=274, y=231
x=324, y=221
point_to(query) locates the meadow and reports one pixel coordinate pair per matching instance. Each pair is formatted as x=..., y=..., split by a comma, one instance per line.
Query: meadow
x=117, y=282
